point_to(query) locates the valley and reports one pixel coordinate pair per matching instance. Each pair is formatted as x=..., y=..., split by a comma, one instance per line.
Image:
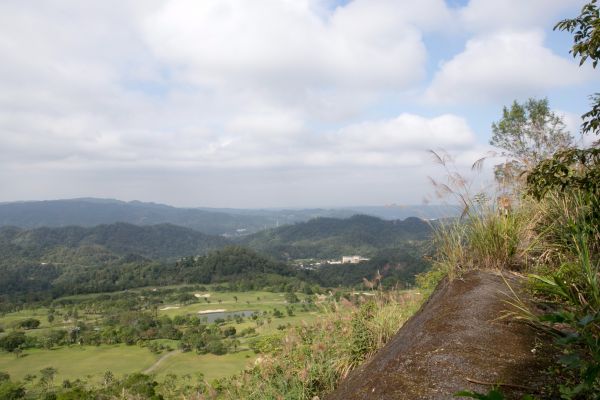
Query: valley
x=92, y=307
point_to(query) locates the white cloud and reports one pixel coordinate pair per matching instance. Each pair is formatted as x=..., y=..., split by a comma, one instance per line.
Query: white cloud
x=288, y=46
x=502, y=66
x=407, y=132
x=490, y=15
x=241, y=82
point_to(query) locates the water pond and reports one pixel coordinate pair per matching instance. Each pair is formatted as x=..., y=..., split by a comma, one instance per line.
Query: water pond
x=211, y=317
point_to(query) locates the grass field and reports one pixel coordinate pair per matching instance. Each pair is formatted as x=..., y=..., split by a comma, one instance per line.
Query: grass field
x=209, y=365
x=89, y=363
x=257, y=301
x=80, y=362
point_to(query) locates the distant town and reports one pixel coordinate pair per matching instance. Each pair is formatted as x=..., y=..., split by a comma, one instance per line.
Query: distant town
x=315, y=264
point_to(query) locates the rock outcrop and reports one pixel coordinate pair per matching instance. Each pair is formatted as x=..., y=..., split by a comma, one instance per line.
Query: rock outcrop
x=457, y=341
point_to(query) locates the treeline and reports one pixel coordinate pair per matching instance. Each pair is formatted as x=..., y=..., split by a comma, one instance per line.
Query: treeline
x=241, y=268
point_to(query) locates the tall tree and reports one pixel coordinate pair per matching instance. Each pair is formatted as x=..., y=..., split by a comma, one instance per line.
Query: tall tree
x=527, y=134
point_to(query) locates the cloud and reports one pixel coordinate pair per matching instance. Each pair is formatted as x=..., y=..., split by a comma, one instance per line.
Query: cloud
x=131, y=94
x=502, y=66
x=289, y=46
x=403, y=140
x=491, y=15
x=184, y=83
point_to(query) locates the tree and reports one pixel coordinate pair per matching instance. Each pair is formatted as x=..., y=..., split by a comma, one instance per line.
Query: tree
x=12, y=341
x=586, y=45
x=527, y=134
x=530, y=132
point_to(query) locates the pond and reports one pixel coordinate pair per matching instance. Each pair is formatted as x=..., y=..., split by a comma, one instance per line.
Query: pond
x=212, y=316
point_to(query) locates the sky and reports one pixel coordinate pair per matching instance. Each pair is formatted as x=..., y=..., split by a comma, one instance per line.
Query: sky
x=268, y=103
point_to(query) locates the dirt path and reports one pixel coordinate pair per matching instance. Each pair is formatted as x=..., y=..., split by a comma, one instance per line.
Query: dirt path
x=153, y=367
x=455, y=340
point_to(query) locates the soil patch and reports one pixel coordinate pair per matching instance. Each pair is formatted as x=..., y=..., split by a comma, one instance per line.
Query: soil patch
x=457, y=339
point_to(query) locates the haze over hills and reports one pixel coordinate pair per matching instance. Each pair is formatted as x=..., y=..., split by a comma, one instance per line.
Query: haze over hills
x=218, y=221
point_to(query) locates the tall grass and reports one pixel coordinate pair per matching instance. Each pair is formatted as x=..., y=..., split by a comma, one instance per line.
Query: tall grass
x=481, y=240
x=493, y=232
x=310, y=360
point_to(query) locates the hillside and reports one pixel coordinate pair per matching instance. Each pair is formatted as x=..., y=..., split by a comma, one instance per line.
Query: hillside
x=103, y=243
x=332, y=238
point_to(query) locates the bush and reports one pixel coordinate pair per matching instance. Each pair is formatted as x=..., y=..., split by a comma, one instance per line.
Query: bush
x=29, y=323
x=12, y=341
x=11, y=391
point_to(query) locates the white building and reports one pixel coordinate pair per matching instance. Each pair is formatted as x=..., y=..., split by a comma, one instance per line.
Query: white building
x=353, y=259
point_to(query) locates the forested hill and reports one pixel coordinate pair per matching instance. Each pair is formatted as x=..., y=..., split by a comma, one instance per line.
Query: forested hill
x=331, y=237
x=104, y=243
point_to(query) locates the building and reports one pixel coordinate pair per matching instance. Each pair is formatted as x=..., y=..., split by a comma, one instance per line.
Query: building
x=353, y=259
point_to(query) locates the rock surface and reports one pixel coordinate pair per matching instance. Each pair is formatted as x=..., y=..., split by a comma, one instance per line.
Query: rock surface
x=456, y=339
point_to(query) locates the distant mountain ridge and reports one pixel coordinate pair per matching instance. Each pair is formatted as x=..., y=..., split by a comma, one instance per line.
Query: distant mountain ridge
x=93, y=212
x=215, y=221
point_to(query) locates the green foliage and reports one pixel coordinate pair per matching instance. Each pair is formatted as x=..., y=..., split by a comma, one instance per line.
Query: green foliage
x=136, y=386
x=578, y=306
x=586, y=45
x=363, y=341
x=267, y=344
x=11, y=391
x=12, y=341
x=586, y=30
x=291, y=297
x=29, y=323
x=572, y=169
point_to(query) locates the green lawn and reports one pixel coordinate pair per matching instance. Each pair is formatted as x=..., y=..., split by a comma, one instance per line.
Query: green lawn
x=79, y=362
x=208, y=364
x=226, y=300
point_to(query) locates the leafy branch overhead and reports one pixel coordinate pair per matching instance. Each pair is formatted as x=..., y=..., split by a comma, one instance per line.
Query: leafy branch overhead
x=586, y=45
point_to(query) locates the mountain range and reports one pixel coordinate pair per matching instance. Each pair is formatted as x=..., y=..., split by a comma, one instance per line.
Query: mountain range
x=90, y=212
